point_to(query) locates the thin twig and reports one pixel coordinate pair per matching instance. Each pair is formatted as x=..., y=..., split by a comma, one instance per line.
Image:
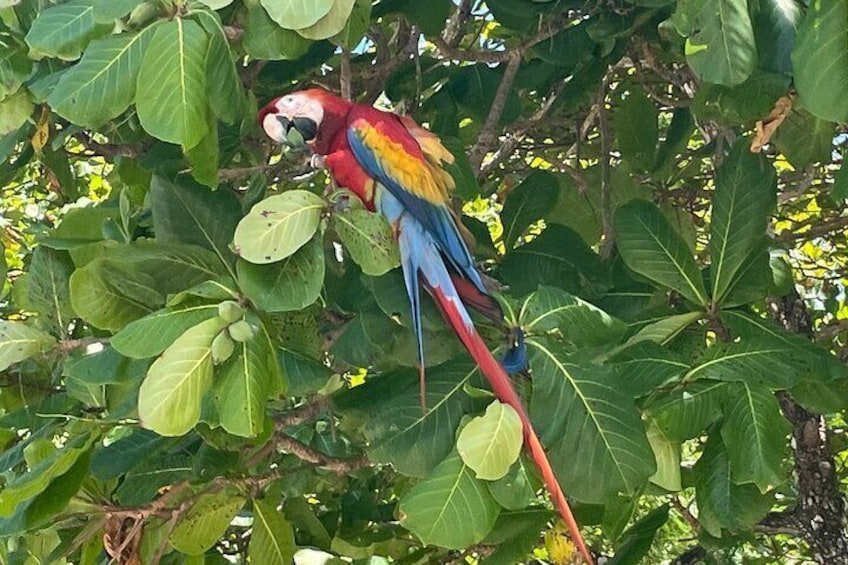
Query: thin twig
x=344, y=78
x=606, y=172
x=310, y=455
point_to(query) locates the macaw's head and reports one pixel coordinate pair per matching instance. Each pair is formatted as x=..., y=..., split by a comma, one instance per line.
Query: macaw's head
x=315, y=114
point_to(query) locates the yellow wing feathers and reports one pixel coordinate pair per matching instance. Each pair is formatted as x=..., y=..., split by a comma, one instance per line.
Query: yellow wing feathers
x=425, y=178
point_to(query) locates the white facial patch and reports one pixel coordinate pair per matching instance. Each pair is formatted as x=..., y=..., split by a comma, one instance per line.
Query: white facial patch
x=273, y=128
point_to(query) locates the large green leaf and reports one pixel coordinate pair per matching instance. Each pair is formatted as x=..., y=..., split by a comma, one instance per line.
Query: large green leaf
x=170, y=397
x=226, y=94
x=721, y=503
x=636, y=129
x=297, y=14
x=151, y=335
x=64, y=30
x=578, y=322
x=278, y=226
x=15, y=110
x=754, y=361
x=245, y=383
x=744, y=196
x=47, y=286
x=650, y=247
x=109, y=293
x=101, y=86
x=667, y=454
x=368, y=238
x=635, y=543
x=272, y=540
x=820, y=60
x=754, y=433
x=264, y=39
x=720, y=46
x=388, y=411
x=805, y=139
x=646, y=365
x=187, y=212
x=557, y=257
x=517, y=489
x=171, y=84
x=105, y=11
x=15, y=66
x=19, y=341
x=204, y=523
x=684, y=412
x=529, y=202
x=332, y=23
x=490, y=443
x=583, y=415
x=50, y=464
x=451, y=508
x=291, y=284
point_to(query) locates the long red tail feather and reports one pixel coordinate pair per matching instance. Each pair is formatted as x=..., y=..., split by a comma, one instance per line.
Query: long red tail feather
x=506, y=393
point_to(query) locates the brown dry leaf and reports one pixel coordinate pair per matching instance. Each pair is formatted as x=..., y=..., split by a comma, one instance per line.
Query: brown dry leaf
x=42, y=130
x=121, y=539
x=766, y=128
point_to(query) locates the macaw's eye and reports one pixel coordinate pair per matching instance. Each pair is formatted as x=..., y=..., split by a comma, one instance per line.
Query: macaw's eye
x=307, y=128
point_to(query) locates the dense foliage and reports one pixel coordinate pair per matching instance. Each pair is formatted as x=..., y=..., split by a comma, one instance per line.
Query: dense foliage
x=205, y=346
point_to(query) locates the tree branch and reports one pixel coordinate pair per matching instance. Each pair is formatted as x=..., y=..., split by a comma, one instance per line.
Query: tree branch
x=315, y=457
x=488, y=136
x=606, y=172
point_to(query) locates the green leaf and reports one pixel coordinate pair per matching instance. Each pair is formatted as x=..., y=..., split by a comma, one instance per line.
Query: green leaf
x=244, y=384
x=15, y=110
x=515, y=534
x=388, y=409
x=578, y=322
x=557, y=257
x=517, y=489
x=170, y=397
x=205, y=523
x=264, y=39
x=754, y=361
x=368, y=238
x=651, y=247
x=100, y=86
x=171, y=85
x=583, y=415
x=204, y=157
x=292, y=284
x=528, y=203
x=451, y=508
x=721, y=47
x=80, y=227
x=754, y=433
x=820, y=60
x=278, y=226
x=490, y=443
x=187, y=212
x=645, y=366
x=667, y=455
x=821, y=398
x=684, y=412
x=331, y=24
x=64, y=30
x=124, y=455
x=297, y=14
x=745, y=193
x=636, y=542
x=637, y=133
x=47, y=289
x=272, y=541
x=15, y=65
x=50, y=465
x=357, y=25
x=226, y=94
x=151, y=335
x=721, y=503
x=19, y=342
x=107, y=10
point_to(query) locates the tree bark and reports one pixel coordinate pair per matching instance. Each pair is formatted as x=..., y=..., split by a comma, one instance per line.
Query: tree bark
x=820, y=509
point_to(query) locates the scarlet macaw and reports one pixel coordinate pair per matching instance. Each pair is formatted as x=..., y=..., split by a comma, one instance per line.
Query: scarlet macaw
x=396, y=168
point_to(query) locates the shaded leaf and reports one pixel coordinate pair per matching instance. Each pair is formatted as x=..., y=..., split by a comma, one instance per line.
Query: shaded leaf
x=272, y=540
x=636, y=541
x=683, y=413
x=19, y=342
x=651, y=247
x=368, y=238
x=527, y=203
x=451, y=508
x=330, y=24
x=204, y=523
x=636, y=129
x=297, y=14
x=264, y=39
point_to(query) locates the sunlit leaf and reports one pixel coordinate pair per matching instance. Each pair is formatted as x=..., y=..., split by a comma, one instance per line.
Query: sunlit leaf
x=490, y=443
